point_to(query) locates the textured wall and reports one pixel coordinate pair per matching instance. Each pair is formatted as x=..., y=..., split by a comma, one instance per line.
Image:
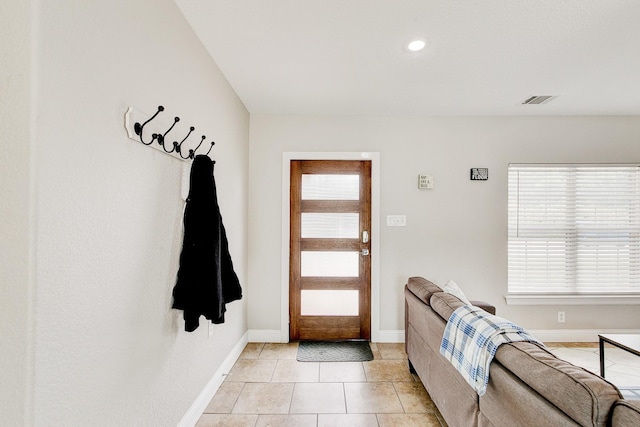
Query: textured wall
x=109, y=349
x=16, y=230
x=456, y=231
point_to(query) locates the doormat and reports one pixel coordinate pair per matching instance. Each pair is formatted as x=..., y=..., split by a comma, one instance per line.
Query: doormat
x=334, y=351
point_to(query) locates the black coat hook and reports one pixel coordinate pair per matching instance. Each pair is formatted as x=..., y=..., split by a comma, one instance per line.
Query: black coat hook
x=138, y=128
x=201, y=141
x=178, y=147
x=191, y=154
x=161, y=137
x=212, y=144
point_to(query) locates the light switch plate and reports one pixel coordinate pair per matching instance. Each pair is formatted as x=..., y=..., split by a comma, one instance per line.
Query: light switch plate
x=396, y=220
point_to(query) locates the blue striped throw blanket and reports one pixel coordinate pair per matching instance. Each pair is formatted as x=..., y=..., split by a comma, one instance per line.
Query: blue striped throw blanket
x=471, y=339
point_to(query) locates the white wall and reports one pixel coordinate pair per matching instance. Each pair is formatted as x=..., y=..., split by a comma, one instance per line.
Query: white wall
x=109, y=350
x=456, y=231
x=16, y=261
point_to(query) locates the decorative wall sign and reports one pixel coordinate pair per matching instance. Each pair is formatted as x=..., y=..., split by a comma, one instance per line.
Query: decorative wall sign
x=479, y=174
x=425, y=181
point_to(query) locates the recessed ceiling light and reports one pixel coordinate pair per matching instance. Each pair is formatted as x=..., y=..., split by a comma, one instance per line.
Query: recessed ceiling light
x=416, y=45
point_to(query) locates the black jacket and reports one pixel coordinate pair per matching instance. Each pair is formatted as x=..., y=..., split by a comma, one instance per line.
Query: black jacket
x=206, y=279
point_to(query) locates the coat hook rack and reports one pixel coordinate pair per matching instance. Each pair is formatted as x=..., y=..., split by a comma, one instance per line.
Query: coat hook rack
x=159, y=130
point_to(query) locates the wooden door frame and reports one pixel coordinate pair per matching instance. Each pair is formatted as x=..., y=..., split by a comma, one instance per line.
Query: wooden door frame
x=336, y=326
x=375, y=231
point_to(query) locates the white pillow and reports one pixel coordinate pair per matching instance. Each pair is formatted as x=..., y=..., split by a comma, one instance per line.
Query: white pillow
x=452, y=288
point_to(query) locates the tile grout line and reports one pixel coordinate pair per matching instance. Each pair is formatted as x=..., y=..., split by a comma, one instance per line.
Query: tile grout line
x=344, y=397
x=293, y=392
x=393, y=384
x=235, y=402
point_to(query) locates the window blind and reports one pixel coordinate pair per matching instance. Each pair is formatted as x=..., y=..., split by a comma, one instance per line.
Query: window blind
x=574, y=229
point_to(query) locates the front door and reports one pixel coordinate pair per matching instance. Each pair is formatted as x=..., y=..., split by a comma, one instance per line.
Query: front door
x=330, y=263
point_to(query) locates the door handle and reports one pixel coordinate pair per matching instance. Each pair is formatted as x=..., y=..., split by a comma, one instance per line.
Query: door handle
x=365, y=237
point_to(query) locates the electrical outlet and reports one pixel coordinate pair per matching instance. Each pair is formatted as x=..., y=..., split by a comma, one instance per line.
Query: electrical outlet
x=561, y=317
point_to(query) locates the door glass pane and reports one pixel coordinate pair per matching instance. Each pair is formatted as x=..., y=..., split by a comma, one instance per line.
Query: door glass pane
x=331, y=225
x=329, y=303
x=330, y=187
x=329, y=264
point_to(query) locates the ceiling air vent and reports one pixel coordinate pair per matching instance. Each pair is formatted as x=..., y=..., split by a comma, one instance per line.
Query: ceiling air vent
x=538, y=99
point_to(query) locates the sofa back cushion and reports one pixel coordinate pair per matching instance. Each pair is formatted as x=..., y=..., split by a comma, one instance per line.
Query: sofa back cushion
x=445, y=304
x=422, y=288
x=582, y=395
x=511, y=402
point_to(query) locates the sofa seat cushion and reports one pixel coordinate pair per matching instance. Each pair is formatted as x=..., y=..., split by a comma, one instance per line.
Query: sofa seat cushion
x=445, y=304
x=422, y=288
x=582, y=395
x=626, y=413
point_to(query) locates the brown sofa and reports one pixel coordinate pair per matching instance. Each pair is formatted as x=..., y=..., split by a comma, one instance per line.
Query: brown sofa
x=528, y=386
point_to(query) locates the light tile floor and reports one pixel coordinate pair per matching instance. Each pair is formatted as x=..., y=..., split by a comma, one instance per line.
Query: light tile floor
x=268, y=387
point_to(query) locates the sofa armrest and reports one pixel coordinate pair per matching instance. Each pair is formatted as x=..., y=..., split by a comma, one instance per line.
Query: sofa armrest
x=485, y=306
x=626, y=413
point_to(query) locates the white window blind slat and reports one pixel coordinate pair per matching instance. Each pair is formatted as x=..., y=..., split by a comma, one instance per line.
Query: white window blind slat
x=574, y=229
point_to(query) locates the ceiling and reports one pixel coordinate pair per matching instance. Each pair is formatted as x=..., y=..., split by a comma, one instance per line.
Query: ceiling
x=483, y=57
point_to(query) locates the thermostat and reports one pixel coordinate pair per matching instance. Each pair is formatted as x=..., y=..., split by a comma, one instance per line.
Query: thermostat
x=425, y=181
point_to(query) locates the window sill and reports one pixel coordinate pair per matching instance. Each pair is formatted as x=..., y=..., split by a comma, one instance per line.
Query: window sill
x=594, y=299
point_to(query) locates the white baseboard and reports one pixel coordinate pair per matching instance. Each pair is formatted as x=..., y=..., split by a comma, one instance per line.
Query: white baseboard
x=275, y=335
x=200, y=404
x=576, y=335
x=391, y=336
x=397, y=336
x=268, y=335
